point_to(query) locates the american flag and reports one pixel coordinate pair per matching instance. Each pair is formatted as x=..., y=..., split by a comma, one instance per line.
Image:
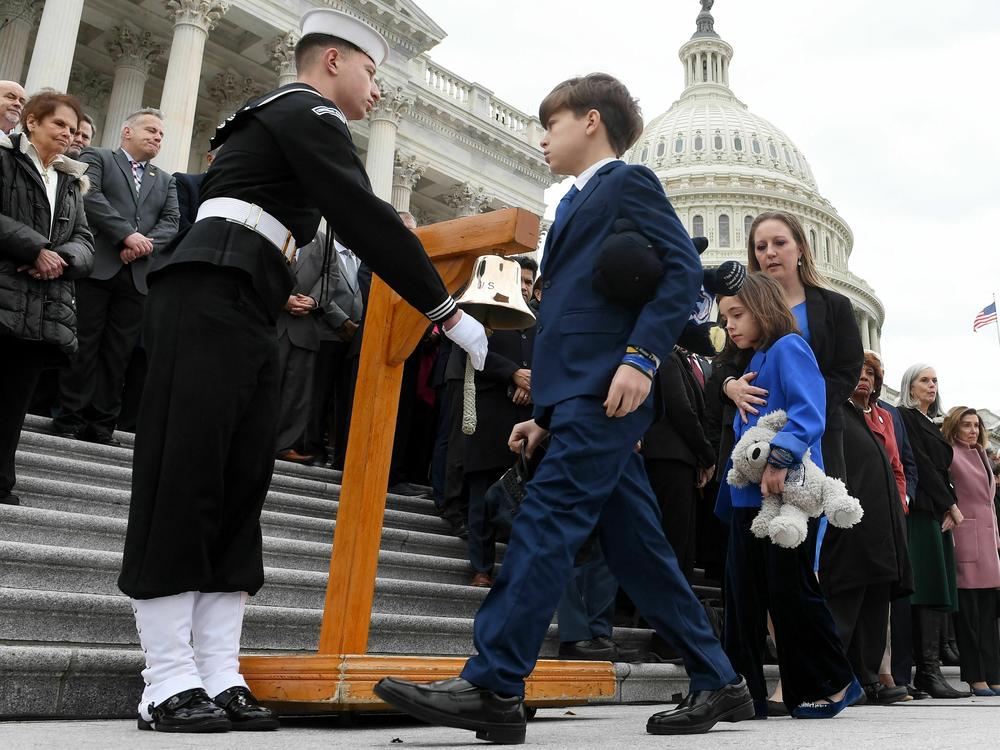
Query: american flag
x=985, y=316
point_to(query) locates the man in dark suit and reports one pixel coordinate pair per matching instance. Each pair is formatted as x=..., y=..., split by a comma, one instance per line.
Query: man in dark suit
x=503, y=399
x=132, y=210
x=298, y=345
x=337, y=323
x=189, y=192
x=593, y=368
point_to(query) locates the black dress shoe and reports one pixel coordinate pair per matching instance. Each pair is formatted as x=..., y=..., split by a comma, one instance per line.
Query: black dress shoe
x=65, y=430
x=777, y=708
x=589, y=650
x=407, y=490
x=917, y=695
x=878, y=694
x=243, y=710
x=458, y=703
x=7, y=498
x=101, y=439
x=622, y=653
x=702, y=710
x=188, y=711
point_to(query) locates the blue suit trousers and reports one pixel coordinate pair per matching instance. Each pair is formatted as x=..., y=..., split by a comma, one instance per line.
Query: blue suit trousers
x=590, y=476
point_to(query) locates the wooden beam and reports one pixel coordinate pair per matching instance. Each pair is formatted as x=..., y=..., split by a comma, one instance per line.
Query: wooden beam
x=331, y=683
x=392, y=330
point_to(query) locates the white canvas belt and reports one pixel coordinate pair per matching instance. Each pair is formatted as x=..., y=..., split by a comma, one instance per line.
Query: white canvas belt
x=252, y=217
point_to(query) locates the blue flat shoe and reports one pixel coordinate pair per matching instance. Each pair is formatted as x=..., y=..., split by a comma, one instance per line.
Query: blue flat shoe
x=829, y=709
x=983, y=692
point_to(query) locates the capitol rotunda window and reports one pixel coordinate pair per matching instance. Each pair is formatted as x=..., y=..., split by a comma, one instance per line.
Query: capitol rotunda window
x=645, y=153
x=661, y=148
x=747, y=223
x=717, y=142
x=699, y=143
x=772, y=150
x=737, y=143
x=755, y=145
x=698, y=226
x=724, y=240
x=679, y=144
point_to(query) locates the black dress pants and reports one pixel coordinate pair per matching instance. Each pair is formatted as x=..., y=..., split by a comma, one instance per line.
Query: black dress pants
x=482, y=535
x=21, y=365
x=205, y=440
x=862, y=616
x=109, y=320
x=978, y=637
x=673, y=483
x=762, y=577
x=330, y=400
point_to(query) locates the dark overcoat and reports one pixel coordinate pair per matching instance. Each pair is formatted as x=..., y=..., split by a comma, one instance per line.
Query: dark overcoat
x=875, y=550
x=496, y=413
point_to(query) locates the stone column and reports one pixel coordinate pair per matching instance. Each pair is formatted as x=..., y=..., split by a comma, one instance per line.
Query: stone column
x=133, y=53
x=55, y=45
x=863, y=325
x=406, y=173
x=283, y=57
x=466, y=199
x=20, y=17
x=193, y=19
x=873, y=335
x=383, y=125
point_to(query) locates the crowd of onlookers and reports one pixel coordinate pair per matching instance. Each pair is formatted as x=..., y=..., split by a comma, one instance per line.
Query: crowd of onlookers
x=916, y=583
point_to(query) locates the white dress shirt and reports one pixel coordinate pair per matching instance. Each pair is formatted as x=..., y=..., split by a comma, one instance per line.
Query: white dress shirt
x=49, y=177
x=584, y=177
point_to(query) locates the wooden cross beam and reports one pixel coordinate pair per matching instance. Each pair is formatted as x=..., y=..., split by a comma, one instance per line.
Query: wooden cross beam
x=340, y=676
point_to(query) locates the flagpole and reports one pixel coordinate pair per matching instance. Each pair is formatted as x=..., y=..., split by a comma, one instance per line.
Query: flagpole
x=996, y=320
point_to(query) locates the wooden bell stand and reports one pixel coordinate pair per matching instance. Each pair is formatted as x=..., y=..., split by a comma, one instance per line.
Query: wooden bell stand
x=340, y=677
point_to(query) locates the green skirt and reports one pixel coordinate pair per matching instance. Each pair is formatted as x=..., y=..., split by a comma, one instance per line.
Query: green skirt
x=932, y=558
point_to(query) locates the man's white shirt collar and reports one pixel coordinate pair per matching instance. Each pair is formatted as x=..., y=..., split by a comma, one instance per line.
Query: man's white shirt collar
x=581, y=181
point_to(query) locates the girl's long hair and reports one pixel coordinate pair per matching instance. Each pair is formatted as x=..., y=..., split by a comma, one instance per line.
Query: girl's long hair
x=764, y=299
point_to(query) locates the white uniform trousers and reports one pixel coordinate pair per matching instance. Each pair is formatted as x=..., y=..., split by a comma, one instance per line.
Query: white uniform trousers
x=190, y=640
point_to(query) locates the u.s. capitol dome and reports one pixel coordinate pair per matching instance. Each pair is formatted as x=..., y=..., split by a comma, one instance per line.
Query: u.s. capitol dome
x=721, y=165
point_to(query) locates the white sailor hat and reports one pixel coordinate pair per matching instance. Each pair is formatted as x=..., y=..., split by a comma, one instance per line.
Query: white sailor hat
x=350, y=29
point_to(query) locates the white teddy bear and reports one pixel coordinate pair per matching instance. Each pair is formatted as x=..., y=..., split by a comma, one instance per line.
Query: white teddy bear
x=808, y=491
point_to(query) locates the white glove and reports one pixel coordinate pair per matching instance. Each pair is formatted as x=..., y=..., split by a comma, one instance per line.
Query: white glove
x=469, y=334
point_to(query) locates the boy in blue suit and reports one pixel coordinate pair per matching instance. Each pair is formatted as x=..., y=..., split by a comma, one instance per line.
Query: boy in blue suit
x=592, y=375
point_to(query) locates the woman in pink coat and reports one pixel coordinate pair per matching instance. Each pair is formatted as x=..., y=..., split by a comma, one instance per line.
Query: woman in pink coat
x=976, y=543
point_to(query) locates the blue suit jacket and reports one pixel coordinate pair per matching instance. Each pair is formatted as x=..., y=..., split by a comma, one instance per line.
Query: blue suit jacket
x=581, y=336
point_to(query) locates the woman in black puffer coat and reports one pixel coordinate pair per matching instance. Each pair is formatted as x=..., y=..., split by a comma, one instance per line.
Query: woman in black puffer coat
x=44, y=244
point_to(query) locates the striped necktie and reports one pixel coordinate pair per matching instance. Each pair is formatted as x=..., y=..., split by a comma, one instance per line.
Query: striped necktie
x=137, y=178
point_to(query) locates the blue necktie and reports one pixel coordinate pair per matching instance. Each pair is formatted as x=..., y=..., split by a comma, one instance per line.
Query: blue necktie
x=563, y=208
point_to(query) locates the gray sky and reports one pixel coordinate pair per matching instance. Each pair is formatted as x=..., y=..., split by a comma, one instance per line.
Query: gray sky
x=894, y=103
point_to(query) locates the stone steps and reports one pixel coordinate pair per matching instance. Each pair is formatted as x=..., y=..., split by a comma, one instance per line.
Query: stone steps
x=66, y=631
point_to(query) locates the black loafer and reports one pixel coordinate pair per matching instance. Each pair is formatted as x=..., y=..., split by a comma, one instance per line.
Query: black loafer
x=878, y=694
x=244, y=712
x=595, y=649
x=702, y=710
x=188, y=711
x=8, y=498
x=460, y=704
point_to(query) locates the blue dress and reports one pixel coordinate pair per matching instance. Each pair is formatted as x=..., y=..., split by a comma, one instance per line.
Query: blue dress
x=789, y=373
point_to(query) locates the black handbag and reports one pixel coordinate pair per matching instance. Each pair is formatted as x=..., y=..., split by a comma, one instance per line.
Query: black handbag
x=504, y=497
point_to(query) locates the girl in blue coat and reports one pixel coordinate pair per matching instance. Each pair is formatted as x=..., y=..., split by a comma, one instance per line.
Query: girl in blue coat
x=760, y=576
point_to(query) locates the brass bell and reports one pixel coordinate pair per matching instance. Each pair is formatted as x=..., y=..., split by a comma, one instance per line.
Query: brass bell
x=493, y=296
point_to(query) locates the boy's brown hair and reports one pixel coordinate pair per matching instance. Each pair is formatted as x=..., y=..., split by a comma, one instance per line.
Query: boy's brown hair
x=620, y=112
x=954, y=420
x=764, y=299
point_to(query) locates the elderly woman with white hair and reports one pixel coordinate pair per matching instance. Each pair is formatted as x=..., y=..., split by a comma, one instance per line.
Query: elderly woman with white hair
x=933, y=514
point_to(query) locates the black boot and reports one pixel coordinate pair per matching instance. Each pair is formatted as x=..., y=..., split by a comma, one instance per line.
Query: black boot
x=188, y=711
x=927, y=645
x=949, y=646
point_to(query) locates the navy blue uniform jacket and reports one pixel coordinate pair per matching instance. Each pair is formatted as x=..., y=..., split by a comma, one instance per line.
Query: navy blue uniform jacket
x=581, y=337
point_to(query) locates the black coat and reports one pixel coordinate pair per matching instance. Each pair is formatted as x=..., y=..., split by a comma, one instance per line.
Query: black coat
x=188, y=196
x=496, y=413
x=291, y=153
x=33, y=309
x=678, y=434
x=874, y=551
x=933, y=454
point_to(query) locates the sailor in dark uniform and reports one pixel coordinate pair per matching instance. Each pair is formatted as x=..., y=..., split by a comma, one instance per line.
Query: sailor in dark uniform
x=205, y=441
